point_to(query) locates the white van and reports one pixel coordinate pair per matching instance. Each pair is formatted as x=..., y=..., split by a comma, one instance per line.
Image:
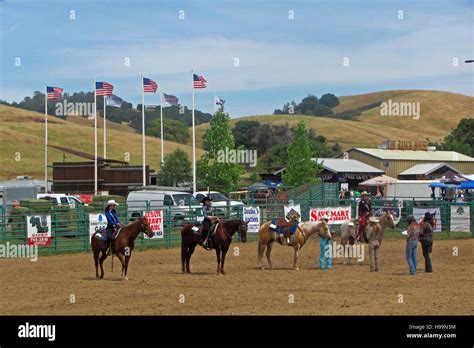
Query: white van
x=61, y=199
x=181, y=204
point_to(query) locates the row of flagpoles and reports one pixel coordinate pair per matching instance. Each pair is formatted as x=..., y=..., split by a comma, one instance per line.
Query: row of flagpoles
x=105, y=89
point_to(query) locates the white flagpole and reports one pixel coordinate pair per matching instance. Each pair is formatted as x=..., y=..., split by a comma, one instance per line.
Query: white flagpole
x=194, y=136
x=45, y=139
x=161, y=125
x=143, y=133
x=105, y=128
x=214, y=104
x=95, y=139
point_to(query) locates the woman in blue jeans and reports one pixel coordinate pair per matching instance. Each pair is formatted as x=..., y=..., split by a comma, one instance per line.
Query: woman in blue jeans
x=412, y=241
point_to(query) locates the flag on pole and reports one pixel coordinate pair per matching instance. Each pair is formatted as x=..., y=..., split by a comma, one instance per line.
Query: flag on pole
x=54, y=92
x=113, y=100
x=149, y=85
x=199, y=81
x=220, y=101
x=170, y=99
x=103, y=89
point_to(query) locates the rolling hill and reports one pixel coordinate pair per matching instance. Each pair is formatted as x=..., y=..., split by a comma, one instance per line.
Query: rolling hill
x=22, y=132
x=440, y=113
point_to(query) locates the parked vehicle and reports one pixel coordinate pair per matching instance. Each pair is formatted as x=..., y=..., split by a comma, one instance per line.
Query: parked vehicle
x=61, y=199
x=181, y=204
x=222, y=204
x=11, y=193
x=409, y=189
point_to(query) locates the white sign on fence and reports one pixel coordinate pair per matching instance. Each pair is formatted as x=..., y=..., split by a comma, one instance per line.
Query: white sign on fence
x=336, y=215
x=251, y=215
x=419, y=213
x=39, y=230
x=460, y=218
x=155, y=220
x=96, y=222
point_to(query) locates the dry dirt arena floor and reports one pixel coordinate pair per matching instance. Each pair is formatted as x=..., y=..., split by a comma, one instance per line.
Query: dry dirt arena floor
x=156, y=283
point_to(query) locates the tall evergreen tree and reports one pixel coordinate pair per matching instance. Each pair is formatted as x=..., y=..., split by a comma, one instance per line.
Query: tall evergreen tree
x=300, y=168
x=212, y=171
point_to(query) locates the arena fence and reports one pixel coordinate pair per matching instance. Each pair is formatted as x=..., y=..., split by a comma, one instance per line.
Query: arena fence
x=71, y=227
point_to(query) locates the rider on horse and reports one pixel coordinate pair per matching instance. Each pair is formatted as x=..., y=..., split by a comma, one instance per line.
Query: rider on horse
x=365, y=210
x=208, y=221
x=112, y=224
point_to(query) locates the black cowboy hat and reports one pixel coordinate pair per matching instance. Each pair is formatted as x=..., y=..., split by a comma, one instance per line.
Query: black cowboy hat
x=427, y=216
x=207, y=198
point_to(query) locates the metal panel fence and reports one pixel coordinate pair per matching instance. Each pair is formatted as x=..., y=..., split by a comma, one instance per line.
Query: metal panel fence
x=71, y=232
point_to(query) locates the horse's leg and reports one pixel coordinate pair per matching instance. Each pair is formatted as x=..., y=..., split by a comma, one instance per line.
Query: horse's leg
x=261, y=249
x=122, y=261
x=297, y=254
x=96, y=261
x=224, y=252
x=101, y=263
x=218, y=253
x=268, y=253
x=188, y=256
x=184, y=251
x=127, y=260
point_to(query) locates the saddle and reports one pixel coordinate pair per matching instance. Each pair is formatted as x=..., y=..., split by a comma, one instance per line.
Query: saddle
x=281, y=225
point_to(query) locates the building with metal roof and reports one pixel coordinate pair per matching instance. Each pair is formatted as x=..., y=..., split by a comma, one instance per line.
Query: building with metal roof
x=428, y=171
x=336, y=170
x=394, y=162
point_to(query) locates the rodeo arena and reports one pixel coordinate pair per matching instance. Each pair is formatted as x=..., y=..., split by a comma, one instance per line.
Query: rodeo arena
x=96, y=229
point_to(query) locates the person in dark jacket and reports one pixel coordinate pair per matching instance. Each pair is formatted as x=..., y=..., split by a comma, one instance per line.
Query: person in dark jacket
x=426, y=239
x=208, y=214
x=113, y=223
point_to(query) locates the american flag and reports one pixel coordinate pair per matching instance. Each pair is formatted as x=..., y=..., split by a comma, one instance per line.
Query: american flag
x=149, y=85
x=170, y=99
x=199, y=81
x=103, y=89
x=54, y=92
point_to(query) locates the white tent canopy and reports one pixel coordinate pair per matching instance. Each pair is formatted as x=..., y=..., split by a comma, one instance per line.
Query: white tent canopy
x=378, y=181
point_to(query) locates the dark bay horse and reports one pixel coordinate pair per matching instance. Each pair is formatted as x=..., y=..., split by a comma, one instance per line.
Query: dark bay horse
x=124, y=244
x=221, y=239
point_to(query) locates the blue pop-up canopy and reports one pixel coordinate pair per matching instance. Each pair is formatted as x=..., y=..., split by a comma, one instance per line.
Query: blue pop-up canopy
x=467, y=185
x=442, y=185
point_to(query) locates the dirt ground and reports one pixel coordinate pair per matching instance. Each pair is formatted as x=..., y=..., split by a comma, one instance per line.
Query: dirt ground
x=156, y=284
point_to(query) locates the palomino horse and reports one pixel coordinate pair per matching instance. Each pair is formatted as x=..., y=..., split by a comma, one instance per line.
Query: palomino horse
x=349, y=231
x=221, y=239
x=297, y=240
x=124, y=244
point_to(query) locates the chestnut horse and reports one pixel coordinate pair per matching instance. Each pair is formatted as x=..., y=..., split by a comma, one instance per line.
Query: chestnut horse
x=221, y=239
x=124, y=244
x=297, y=240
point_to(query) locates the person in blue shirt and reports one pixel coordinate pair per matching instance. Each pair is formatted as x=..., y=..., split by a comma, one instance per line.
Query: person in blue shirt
x=113, y=223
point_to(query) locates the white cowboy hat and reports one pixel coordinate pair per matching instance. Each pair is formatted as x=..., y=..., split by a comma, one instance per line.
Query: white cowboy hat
x=373, y=219
x=112, y=201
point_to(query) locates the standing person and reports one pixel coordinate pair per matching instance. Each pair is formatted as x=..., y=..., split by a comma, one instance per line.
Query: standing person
x=426, y=239
x=365, y=209
x=325, y=251
x=374, y=237
x=413, y=232
x=113, y=223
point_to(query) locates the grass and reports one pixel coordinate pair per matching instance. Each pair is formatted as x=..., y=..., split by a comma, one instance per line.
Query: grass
x=440, y=113
x=22, y=142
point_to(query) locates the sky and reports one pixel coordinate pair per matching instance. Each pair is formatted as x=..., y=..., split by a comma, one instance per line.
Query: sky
x=255, y=54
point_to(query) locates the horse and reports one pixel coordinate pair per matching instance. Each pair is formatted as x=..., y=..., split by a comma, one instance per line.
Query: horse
x=349, y=228
x=220, y=239
x=297, y=240
x=124, y=244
